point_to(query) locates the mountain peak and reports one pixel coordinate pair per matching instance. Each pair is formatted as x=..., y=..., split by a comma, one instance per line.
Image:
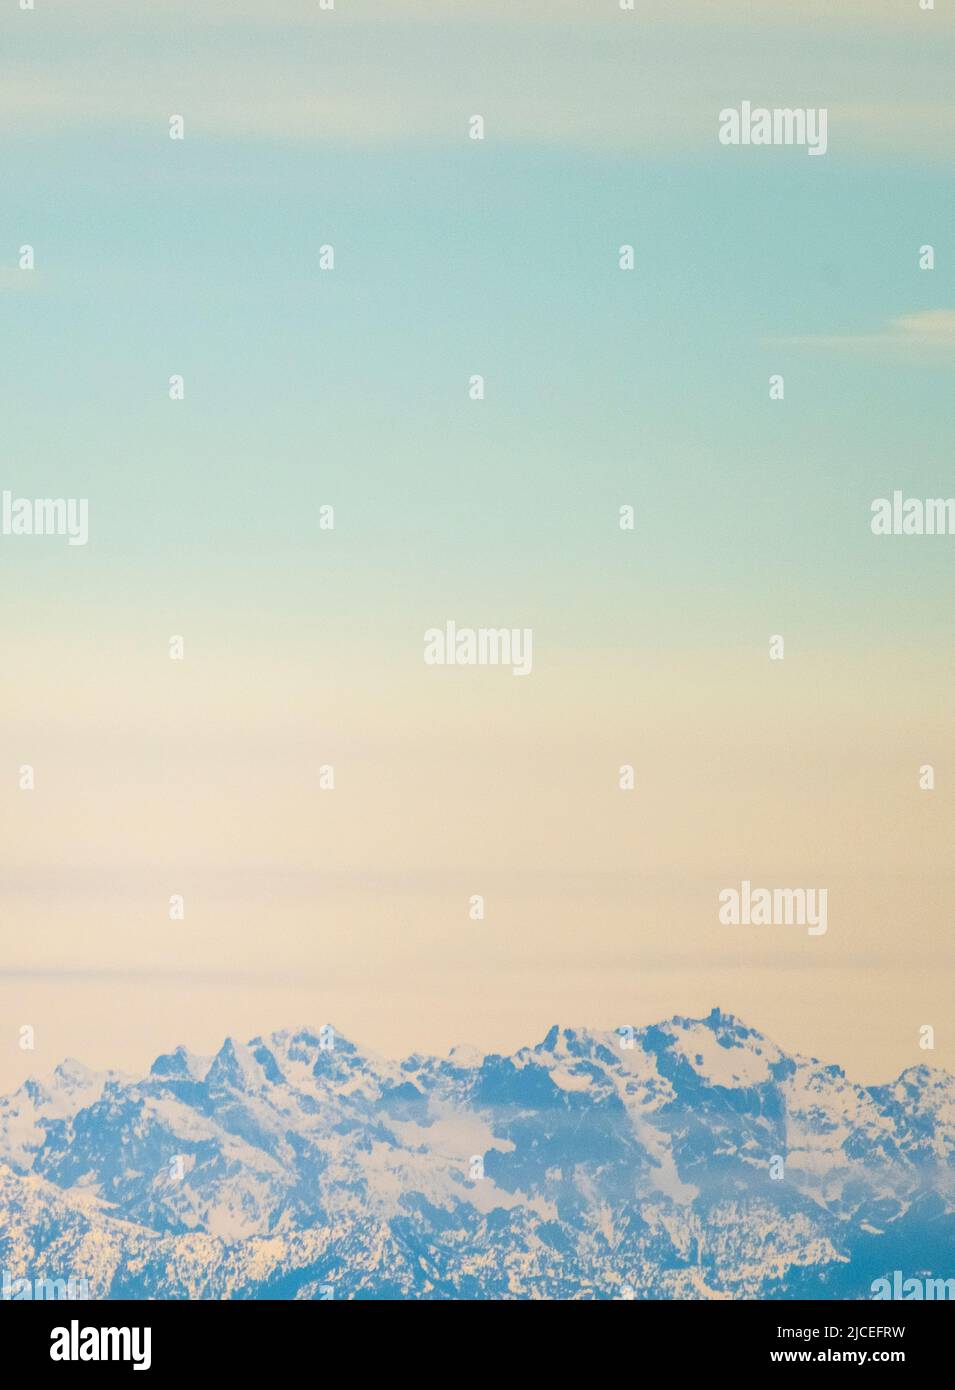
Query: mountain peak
x=306, y=1041
x=236, y=1067
x=180, y=1062
x=70, y=1072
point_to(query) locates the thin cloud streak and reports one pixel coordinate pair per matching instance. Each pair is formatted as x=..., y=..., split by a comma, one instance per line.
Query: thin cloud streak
x=927, y=332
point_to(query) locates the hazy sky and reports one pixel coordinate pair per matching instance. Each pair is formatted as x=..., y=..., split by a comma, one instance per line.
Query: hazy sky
x=350, y=387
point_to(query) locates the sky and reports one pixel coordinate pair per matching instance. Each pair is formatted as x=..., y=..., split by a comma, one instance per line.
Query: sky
x=303, y=647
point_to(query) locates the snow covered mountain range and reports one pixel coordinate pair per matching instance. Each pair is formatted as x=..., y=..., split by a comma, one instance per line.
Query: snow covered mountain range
x=690, y=1159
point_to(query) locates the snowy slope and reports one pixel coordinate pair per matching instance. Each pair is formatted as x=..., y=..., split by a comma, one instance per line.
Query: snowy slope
x=689, y=1159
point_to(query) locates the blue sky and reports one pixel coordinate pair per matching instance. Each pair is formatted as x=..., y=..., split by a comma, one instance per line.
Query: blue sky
x=604, y=387
x=350, y=386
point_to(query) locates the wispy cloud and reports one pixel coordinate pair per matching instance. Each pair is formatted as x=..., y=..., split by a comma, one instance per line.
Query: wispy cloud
x=862, y=14
x=15, y=281
x=929, y=325
x=927, y=332
x=650, y=81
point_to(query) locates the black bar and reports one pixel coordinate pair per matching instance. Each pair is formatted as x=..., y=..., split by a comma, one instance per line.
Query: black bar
x=718, y=1338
